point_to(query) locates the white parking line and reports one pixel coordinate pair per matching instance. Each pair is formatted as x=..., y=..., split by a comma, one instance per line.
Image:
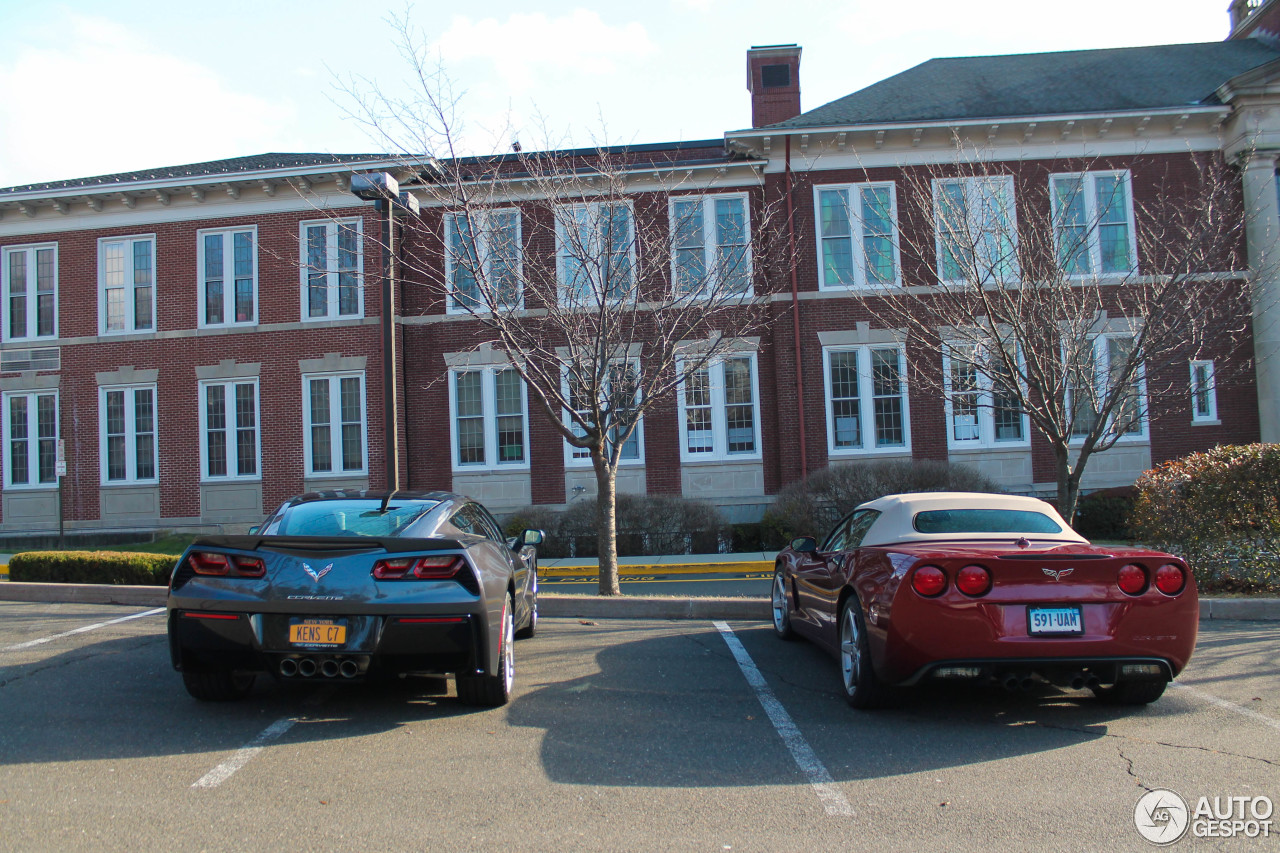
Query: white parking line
x=224, y=771
x=806, y=759
x=29, y=643
x=1230, y=706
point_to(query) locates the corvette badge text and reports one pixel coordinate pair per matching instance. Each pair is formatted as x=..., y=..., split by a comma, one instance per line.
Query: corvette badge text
x=1163, y=817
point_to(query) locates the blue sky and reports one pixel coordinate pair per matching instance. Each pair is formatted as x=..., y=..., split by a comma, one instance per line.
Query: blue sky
x=89, y=88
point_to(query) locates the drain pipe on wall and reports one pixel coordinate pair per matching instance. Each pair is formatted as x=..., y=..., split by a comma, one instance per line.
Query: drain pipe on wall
x=795, y=313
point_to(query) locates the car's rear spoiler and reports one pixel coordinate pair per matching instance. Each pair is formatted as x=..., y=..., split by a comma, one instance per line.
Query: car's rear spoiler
x=327, y=544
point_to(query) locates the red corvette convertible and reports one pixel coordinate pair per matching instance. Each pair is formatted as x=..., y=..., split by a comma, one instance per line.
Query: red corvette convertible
x=985, y=588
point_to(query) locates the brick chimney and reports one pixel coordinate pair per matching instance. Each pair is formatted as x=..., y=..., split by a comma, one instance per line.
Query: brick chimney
x=773, y=79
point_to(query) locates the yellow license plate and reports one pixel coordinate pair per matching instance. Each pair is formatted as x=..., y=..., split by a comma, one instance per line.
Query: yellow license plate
x=317, y=633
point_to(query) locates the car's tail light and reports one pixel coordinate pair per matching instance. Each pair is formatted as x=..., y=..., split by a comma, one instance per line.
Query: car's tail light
x=929, y=581
x=1170, y=579
x=385, y=570
x=250, y=567
x=1132, y=579
x=973, y=580
x=234, y=565
x=421, y=568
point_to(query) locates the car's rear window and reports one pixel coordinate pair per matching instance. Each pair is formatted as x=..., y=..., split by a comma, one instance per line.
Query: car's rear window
x=351, y=518
x=984, y=521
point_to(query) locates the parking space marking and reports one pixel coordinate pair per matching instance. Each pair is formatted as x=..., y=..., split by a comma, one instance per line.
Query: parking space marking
x=245, y=754
x=1230, y=706
x=30, y=643
x=806, y=759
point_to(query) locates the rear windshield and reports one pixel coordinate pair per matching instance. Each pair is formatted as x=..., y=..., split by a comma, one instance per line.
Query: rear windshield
x=351, y=518
x=985, y=521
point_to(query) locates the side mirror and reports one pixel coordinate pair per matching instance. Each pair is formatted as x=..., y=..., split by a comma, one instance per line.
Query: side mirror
x=804, y=545
x=253, y=530
x=532, y=537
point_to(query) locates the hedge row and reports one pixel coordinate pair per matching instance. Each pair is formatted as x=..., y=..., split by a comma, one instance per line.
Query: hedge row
x=102, y=567
x=647, y=525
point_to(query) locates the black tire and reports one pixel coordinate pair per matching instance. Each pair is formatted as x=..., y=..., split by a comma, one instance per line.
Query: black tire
x=220, y=685
x=531, y=628
x=782, y=607
x=494, y=690
x=1131, y=692
x=862, y=689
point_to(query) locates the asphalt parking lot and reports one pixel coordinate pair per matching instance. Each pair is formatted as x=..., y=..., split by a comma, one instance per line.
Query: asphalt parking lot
x=624, y=735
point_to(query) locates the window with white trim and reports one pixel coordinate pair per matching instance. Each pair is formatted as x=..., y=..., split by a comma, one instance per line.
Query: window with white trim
x=982, y=399
x=31, y=440
x=857, y=235
x=1204, y=393
x=977, y=240
x=621, y=390
x=31, y=292
x=866, y=390
x=127, y=421
x=126, y=284
x=489, y=412
x=231, y=448
x=332, y=269
x=720, y=410
x=711, y=255
x=1091, y=382
x=335, y=424
x=486, y=245
x=228, y=264
x=1093, y=223
x=595, y=253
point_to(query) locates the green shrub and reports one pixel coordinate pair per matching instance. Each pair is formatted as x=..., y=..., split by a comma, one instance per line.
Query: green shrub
x=810, y=507
x=105, y=567
x=1105, y=514
x=648, y=525
x=1220, y=511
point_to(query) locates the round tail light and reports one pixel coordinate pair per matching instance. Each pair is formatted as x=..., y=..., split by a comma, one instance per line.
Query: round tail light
x=973, y=580
x=929, y=581
x=1169, y=579
x=1132, y=579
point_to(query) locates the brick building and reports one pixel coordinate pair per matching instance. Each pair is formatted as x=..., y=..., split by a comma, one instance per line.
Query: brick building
x=207, y=340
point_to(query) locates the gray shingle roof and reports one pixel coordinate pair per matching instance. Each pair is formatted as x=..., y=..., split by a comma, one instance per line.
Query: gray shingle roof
x=1038, y=84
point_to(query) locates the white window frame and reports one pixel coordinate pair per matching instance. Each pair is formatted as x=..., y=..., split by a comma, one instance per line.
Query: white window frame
x=32, y=439
x=1102, y=374
x=489, y=411
x=564, y=214
x=1092, y=222
x=131, y=325
x=485, y=259
x=866, y=402
x=332, y=291
x=231, y=429
x=719, y=432
x=228, y=276
x=1210, y=390
x=31, y=253
x=131, y=477
x=572, y=460
x=853, y=206
x=974, y=202
x=335, y=425
x=711, y=247
x=986, y=437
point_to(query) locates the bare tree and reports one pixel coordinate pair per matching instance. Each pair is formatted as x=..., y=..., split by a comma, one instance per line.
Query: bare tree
x=1079, y=311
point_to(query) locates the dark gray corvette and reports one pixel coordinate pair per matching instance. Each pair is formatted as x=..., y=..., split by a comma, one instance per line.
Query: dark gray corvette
x=341, y=585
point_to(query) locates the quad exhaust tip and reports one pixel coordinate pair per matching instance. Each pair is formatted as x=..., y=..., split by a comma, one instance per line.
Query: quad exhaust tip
x=328, y=667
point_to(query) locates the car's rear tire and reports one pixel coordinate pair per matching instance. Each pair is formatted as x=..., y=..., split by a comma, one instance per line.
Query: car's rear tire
x=1131, y=692
x=532, y=628
x=782, y=607
x=862, y=689
x=494, y=690
x=219, y=685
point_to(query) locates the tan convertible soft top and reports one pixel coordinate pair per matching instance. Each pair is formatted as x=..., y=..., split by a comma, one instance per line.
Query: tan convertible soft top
x=897, y=521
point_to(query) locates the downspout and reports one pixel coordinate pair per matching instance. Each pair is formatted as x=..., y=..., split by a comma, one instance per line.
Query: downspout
x=795, y=314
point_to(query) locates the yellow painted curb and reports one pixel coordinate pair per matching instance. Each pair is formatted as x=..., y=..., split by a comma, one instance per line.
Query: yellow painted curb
x=661, y=569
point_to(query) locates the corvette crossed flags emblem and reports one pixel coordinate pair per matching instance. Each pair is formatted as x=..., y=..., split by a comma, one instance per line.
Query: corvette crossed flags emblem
x=315, y=576
x=1058, y=575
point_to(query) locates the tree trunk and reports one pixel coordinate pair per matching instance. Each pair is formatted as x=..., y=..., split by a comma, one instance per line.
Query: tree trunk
x=606, y=524
x=1068, y=484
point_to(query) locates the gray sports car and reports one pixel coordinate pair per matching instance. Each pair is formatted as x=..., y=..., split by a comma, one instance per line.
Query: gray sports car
x=341, y=585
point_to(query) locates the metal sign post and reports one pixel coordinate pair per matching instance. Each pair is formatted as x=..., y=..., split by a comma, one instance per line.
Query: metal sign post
x=60, y=470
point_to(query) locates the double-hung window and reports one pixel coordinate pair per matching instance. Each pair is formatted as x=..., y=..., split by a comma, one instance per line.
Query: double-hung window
x=620, y=394
x=30, y=292
x=335, y=424
x=228, y=264
x=1204, y=393
x=489, y=412
x=977, y=241
x=482, y=264
x=710, y=253
x=982, y=399
x=231, y=448
x=128, y=429
x=857, y=235
x=126, y=284
x=332, y=269
x=31, y=440
x=1093, y=223
x=595, y=253
x=866, y=389
x=720, y=410
x=1097, y=376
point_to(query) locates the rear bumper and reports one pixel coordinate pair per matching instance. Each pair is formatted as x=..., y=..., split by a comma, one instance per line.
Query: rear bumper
x=1056, y=670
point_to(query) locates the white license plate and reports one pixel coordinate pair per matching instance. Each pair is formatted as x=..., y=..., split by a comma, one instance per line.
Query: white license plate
x=1054, y=620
